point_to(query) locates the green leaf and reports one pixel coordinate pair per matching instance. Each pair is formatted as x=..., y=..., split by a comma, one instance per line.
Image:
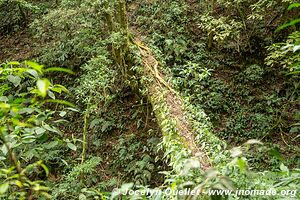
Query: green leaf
x=35, y=66
x=3, y=188
x=291, y=23
x=18, y=183
x=296, y=48
x=33, y=72
x=51, y=94
x=40, y=131
x=4, y=106
x=241, y=163
x=72, y=146
x=82, y=196
x=43, y=86
x=47, y=127
x=51, y=145
x=16, y=80
x=58, y=69
x=4, y=149
x=294, y=5
x=13, y=63
x=59, y=88
x=4, y=98
x=26, y=110
x=284, y=168
x=62, y=113
x=45, y=169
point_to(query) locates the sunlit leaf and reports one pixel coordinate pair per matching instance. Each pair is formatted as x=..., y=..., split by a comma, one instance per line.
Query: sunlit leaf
x=45, y=169
x=72, y=146
x=43, y=86
x=294, y=5
x=241, y=163
x=283, y=168
x=253, y=141
x=51, y=95
x=82, y=196
x=18, y=183
x=13, y=63
x=4, y=187
x=58, y=69
x=62, y=113
x=33, y=72
x=236, y=152
x=35, y=66
x=49, y=128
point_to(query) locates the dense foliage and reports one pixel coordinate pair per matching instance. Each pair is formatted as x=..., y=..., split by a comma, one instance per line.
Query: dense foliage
x=219, y=109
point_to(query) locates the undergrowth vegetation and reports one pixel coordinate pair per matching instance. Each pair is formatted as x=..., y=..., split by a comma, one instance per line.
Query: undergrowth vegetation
x=211, y=103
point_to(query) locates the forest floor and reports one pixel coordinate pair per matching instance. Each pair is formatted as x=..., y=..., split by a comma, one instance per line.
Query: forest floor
x=18, y=46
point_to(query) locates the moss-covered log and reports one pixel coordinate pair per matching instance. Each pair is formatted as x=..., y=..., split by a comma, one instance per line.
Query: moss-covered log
x=180, y=137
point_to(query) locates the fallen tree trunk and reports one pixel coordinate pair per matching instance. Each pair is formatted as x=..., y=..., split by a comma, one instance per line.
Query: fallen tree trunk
x=169, y=110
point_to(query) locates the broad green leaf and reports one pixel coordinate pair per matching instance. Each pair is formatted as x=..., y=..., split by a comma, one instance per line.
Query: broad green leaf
x=4, y=106
x=28, y=138
x=33, y=72
x=284, y=168
x=18, y=183
x=26, y=110
x=4, y=149
x=72, y=146
x=4, y=98
x=82, y=197
x=35, y=66
x=16, y=80
x=43, y=86
x=4, y=187
x=296, y=48
x=40, y=130
x=49, y=128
